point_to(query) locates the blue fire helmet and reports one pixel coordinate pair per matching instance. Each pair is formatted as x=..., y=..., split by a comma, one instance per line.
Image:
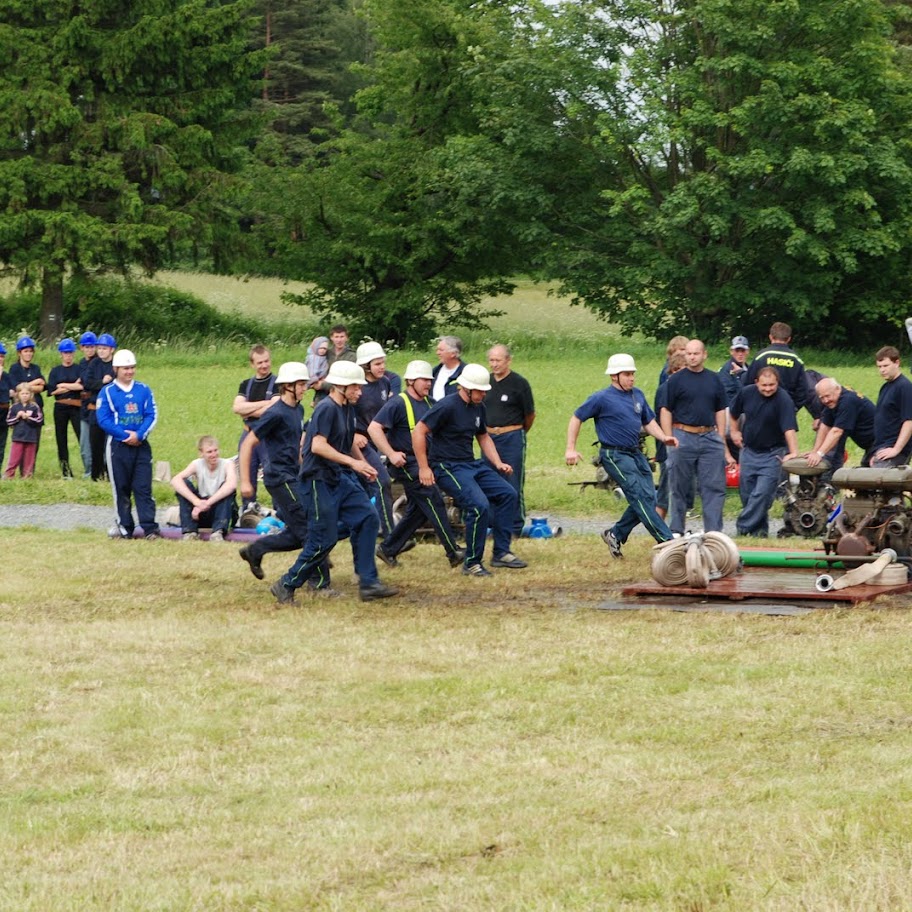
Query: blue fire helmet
x=88, y=338
x=25, y=342
x=2, y=349
x=66, y=345
x=107, y=339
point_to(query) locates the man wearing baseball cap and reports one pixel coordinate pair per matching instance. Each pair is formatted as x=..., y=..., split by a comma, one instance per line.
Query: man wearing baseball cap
x=620, y=412
x=732, y=374
x=127, y=414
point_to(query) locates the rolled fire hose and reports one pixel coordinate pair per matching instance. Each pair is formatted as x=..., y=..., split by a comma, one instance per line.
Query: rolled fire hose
x=694, y=560
x=866, y=572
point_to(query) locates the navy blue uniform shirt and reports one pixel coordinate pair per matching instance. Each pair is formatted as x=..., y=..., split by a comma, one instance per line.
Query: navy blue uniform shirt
x=394, y=419
x=454, y=424
x=373, y=397
x=854, y=415
x=279, y=430
x=766, y=418
x=337, y=424
x=894, y=407
x=694, y=397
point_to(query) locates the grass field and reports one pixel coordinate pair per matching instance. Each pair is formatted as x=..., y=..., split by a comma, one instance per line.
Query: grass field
x=174, y=742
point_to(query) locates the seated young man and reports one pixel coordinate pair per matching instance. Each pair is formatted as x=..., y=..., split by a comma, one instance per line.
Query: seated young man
x=208, y=499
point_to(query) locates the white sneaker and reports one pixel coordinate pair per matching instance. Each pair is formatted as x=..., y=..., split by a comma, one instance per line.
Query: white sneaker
x=217, y=536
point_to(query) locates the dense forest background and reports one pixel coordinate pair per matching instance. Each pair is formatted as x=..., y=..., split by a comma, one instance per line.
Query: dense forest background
x=675, y=165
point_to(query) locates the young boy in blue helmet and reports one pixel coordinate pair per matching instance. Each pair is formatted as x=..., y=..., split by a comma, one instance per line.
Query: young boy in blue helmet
x=65, y=385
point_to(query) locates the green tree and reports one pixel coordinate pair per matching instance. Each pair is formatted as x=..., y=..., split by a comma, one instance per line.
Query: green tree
x=422, y=207
x=119, y=121
x=756, y=166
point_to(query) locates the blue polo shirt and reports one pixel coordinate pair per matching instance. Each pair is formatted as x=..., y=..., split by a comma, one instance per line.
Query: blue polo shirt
x=337, y=424
x=894, y=407
x=766, y=418
x=618, y=416
x=694, y=397
x=454, y=424
x=854, y=416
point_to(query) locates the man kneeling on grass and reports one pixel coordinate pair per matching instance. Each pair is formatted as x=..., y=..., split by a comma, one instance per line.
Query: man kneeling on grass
x=620, y=411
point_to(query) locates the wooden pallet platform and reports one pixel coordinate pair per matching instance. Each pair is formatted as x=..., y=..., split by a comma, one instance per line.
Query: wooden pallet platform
x=768, y=583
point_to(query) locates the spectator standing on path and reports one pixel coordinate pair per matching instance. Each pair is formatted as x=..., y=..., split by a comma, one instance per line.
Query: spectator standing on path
x=620, y=412
x=391, y=432
x=770, y=434
x=25, y=418
x=205, y=492
x=450, y=366
x=340, y=351
x=845, y=414
x=334, y=495
x=787, y=364
x=486, y=499
x=254, y=396
x=65, y=385
x=98, y=374
x=695, y=415
x=87, y=344
x=510, y=410
x=127, y=414
x=6, y=395
x=893, y=414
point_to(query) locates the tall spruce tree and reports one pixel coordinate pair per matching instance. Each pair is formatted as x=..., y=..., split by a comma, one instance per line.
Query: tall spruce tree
x=119, y=120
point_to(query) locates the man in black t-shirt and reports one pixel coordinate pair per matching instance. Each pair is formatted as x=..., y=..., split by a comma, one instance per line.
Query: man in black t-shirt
x=510, y=414
x=893, y=415
x=763, y=425
x=845, y=414
x=254, y=396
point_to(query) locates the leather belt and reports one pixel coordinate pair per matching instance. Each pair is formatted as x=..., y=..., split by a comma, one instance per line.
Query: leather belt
x=91, y=406
x=695, y=428
x=4, y=406
x=74, y=402
x=504, y=430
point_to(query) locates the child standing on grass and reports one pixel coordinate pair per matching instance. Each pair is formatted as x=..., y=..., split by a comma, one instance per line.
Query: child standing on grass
x=25, y=418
